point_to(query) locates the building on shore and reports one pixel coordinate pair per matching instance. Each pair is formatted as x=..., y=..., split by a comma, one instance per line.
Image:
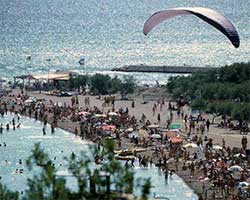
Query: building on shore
x=54, y=78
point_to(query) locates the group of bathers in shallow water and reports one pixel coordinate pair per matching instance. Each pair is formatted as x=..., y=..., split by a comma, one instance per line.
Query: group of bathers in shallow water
x=14, y=125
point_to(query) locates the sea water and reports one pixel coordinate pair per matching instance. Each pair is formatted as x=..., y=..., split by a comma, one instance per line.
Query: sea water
x=20, y=142
x=108, y=33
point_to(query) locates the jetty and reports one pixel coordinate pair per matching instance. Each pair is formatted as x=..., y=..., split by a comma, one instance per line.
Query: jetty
x=185, y=69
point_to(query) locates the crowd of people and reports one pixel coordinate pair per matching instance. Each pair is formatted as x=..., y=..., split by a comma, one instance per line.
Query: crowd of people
x=224, y=168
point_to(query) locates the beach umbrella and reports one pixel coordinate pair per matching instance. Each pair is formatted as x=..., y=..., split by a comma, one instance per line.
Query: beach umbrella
x=171, y=134
x=188, y=162
x=190, y=145
x=235, y=168
x=171, y=160
x=243, y=184
x=29, y=101
x=133, y=134
x=202, y=179
x=83, y=113
x=153, y=126
x=112, y=114
x=129, y=129
x=155, y=136
x=100, y=115
x=108, y=128
x=143, y=133
x=217, y=147
x=239, y=155
x=175, y=126
x=175, y=130
x=176, y=140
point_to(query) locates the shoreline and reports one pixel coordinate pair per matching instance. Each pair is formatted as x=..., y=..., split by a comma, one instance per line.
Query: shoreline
x=193, y=183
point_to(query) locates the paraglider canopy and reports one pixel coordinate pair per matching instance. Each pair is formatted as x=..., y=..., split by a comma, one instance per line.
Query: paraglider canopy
x=210, y=16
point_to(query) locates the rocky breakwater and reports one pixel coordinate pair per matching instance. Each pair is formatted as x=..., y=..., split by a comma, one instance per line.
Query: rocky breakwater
x=162, y=69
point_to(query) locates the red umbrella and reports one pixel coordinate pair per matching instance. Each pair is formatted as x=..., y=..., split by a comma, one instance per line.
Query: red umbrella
x=176, y=140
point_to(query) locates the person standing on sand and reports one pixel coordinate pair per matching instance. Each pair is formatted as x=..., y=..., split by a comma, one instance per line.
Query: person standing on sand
x=77, y=101
x=244, y=142
x=192, y=168
x=72, y=101
x=202, y=127
x=159, y=118
x=169, y=105
x=223, y=143
x=207, y=124
x=153, y=110
x=133, y=104
x=171, y=115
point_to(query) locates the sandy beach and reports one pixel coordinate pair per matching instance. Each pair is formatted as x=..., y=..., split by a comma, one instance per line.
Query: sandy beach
x=232, y=138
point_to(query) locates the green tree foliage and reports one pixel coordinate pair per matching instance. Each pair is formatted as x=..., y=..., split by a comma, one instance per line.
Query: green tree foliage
x=45, y=185
x=146, y=186
x=6, y=194
x=78, y=82
x=225, y=91
x=104, y=84
x=94, y=182
x=101, y=84
x=127, y=86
